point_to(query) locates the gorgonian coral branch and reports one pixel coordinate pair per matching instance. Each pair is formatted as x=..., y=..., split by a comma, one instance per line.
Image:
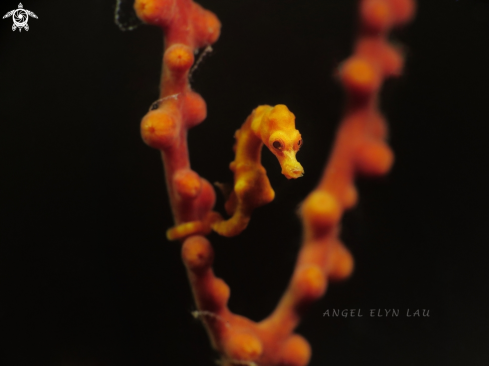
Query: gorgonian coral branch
x=359, y=148
x=187, y=27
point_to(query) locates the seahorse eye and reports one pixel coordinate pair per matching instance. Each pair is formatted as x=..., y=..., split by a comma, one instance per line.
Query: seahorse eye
x=277, y=145
x=299, y=143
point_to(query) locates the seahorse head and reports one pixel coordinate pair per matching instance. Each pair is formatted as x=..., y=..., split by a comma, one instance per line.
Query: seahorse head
x=278, y=133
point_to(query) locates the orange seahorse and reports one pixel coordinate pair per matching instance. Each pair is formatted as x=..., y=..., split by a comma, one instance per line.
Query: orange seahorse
x=273, y=127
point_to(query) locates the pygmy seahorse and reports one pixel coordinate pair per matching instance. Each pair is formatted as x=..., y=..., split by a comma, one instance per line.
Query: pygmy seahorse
x=273, y=127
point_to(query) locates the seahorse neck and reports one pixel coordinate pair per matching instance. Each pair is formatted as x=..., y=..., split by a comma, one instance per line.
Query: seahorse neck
x=248, y=144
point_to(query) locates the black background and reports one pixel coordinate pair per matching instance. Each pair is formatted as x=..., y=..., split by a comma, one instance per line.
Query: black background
x=87, y=276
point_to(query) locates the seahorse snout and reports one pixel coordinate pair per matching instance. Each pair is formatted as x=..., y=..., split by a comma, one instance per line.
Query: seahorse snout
x=291, y=168
x=293, y=172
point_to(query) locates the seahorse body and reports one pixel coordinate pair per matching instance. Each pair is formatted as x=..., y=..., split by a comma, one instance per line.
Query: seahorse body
x=273, y=127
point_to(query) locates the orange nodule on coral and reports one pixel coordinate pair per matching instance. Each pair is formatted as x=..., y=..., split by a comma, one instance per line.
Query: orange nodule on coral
x=219, y=294
x=392, y=61
x=359, y=76
x=197, y=253
x=403, y=10
x=207, y=26
x=155, y=12
x=321, y=210
x=159, y=129
x=243, y=347
x=179, y=58
x=310, y=283
x=195, y=109
x=350, y=197
x=376, y=15
x=187, y=183
x=295, y=351
x=342, y=263
x=389, y=58
x=374, y=158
